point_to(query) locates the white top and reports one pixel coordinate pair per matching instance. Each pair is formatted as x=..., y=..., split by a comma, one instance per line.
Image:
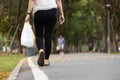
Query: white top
x=61, y=41
x=44, y=5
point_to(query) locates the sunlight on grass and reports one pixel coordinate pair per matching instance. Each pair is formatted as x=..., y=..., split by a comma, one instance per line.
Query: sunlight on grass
x=8, y=63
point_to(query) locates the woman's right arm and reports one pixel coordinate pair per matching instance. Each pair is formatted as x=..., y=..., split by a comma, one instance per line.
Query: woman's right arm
x=29, y=10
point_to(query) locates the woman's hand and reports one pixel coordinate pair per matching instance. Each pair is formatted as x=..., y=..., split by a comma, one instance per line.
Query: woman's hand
x=27, y=18
x=61, y=19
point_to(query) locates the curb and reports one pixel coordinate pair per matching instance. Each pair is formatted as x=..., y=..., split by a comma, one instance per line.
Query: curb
x=14, y=74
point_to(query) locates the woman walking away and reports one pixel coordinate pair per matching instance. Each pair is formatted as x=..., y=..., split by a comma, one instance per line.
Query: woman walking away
x=45, y=16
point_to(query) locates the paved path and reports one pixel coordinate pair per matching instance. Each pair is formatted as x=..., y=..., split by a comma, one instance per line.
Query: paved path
x=81, y=66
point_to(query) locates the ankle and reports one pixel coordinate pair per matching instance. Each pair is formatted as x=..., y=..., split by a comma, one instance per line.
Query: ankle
x=46, y=61
x=41, y=50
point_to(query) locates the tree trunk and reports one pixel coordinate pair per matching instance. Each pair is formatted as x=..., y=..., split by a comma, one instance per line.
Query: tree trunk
x=1, y=12
x=9, y=13
x=18, y=12
x=113, y=41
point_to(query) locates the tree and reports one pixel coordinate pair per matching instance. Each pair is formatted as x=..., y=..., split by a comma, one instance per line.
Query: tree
x=114, y=20
x=86, y=21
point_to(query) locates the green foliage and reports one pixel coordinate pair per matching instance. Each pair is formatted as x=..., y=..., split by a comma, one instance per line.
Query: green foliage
x=83, y=20
x=10, y=14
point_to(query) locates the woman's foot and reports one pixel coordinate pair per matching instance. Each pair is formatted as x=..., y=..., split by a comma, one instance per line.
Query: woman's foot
x=41, y=57
x=46, y=62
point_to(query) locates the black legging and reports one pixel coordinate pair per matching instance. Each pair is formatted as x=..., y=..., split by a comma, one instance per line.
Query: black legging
x=44, y=21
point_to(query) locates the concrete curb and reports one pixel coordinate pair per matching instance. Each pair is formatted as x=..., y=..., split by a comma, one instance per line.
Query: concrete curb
x=14, y=74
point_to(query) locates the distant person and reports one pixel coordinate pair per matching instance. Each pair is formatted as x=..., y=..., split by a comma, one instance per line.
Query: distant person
x=119, y=49
x=45, y=17
x=61, y=45
x=91, y=47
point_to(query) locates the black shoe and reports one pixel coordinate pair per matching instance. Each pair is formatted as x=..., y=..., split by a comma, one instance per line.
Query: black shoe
x=41, y=58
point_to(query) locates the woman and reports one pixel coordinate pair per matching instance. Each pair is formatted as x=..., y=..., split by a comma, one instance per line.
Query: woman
x=44, y=20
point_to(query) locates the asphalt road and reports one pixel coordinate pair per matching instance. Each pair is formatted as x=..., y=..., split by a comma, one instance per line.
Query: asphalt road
x=82, y=66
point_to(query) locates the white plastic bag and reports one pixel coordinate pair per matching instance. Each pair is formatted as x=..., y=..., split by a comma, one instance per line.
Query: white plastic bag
x=27, y=36
x=57, y=48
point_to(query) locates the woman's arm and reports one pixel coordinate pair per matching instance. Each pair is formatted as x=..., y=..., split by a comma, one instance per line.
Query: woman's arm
x=29, y=10
x=60, y=8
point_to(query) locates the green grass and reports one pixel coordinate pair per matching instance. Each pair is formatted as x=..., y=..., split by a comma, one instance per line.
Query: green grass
x=9, y=62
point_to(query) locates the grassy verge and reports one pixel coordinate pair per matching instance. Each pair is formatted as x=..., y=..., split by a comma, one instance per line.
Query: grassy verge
x=8, y=63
